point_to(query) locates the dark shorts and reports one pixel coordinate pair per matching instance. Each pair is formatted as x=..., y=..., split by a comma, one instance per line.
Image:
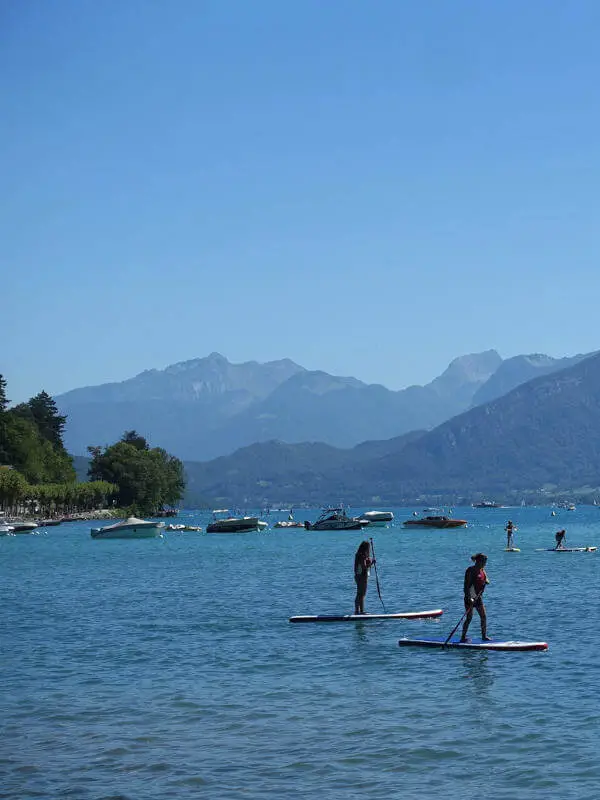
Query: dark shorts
x=478, y=604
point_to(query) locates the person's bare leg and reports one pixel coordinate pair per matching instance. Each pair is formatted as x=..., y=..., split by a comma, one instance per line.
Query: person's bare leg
x=466, y=624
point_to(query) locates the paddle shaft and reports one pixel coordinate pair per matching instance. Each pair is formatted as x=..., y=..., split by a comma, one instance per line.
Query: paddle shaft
x=455, y=628
x=376, y=574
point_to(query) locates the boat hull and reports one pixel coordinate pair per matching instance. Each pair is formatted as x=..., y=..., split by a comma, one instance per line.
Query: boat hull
x=448, y=523
x=336, y=526
x=23, y=527
x=236, y=525
x=150, y=531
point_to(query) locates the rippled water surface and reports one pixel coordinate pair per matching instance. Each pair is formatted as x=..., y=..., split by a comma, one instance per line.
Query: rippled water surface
x=167, y=667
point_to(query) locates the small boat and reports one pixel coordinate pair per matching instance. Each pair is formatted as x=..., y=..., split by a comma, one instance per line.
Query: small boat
x=436, y=522
x=290, y=522
x=335, y=519
x=131, y=528
x=487, y=504
x=174, y=527
x=221, y=524
x=379, y=519
x=23, y=527
x=6, y=530
x=48, y=523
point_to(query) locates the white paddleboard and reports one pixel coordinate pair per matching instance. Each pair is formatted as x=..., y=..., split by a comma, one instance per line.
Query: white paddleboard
x=565, y=549
x=437, y=612
x=474, y=644
x=512, y=549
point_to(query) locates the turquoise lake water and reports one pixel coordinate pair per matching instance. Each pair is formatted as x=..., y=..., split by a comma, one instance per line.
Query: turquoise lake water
x=167, y=667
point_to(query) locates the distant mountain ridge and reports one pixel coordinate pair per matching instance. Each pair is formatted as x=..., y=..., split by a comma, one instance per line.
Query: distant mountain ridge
x=207, y=407
x=543, y=434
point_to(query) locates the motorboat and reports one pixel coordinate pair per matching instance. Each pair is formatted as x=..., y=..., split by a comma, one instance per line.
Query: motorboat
x=23, y=527
x=183, y=528
x=487, y=504
x=131, y=528
x=6, y=530
x=436, y=522
x=48, y=523
x=335, y=519
x=377, y=518
x=222, y=524
x=290, y=522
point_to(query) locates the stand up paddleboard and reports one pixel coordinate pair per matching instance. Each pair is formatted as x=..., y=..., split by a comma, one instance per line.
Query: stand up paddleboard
x=566, y=549
x=512, y=549
x=475, y=644
x=437, y=612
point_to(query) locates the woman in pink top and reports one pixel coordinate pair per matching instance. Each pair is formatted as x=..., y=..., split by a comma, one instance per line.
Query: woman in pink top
x=476, y=580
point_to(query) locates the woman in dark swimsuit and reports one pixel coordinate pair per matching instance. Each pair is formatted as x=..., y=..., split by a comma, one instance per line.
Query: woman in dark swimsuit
x=362, y=563
x=559, y=537
x=474, y=586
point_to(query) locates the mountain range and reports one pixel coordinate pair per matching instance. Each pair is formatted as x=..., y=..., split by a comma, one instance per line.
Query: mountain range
x=540, y=436
x=207, y=407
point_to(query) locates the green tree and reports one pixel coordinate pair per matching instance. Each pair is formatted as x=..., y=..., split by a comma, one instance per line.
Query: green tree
x=3, y=400
x=148, y=478
x=49, y=422
x=134, y=438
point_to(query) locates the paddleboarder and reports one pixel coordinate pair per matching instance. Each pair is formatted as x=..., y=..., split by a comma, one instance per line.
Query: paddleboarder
x=362, y=565
x=559, y=536
x=476, y=580
x=510, y=528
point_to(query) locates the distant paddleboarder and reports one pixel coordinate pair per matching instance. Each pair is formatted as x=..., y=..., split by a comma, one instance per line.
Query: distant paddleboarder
x=510, y=528
x=476, y=580
x=559, y=537
x=362, y=565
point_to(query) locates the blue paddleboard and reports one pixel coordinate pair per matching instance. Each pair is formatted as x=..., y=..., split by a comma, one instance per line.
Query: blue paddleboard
x=474, y=644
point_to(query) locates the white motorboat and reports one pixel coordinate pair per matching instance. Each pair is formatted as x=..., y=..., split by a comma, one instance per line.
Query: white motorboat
x=377, y=519
x=22, y=527
x=222, y=524
x=5, y=530
x=131, y=528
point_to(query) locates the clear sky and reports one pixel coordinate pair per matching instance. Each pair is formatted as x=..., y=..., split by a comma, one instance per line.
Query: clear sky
x=368, y=188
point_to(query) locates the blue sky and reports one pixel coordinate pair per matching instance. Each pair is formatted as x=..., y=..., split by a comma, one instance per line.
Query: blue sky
x=367, y=188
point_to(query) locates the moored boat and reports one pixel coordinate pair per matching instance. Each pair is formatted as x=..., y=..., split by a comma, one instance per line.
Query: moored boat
x=131, y=528
x=6, y=530
x=335, y=519
x=22, y=527
x=377, y=518
x=288, y=523
x=487, y=504
x=222, y=524
x=436, y=522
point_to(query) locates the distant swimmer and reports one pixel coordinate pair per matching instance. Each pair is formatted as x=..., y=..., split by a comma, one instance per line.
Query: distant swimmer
x=510, y=528
x=362, y=565
x=560, y=537
x=476, y=580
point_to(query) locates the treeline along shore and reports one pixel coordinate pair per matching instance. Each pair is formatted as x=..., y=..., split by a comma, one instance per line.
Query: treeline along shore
x=37, y=477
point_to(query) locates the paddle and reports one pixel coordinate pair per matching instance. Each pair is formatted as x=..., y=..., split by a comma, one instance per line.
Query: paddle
x=455, y=628
x=377, y=576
